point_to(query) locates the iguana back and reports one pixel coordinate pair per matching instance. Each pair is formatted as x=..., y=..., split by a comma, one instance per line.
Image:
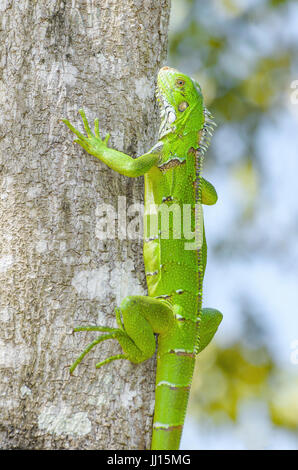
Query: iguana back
x=174, y=264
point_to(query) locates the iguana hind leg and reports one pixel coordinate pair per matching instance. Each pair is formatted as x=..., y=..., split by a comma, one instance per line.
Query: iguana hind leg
x=138, y=318
x=210, y=321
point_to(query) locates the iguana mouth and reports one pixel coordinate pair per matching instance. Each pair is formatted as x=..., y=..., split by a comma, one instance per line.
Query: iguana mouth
x=167, y=113
x=164, y=106
x=166, y=109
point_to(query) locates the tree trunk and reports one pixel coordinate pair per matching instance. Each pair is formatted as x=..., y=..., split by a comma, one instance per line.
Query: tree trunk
x=55, y=272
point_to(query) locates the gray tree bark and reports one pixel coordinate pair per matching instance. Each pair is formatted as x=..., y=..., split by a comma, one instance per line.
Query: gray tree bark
x=55, y=273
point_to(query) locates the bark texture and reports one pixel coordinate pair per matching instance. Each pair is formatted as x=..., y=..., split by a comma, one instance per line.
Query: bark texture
x=55, y=273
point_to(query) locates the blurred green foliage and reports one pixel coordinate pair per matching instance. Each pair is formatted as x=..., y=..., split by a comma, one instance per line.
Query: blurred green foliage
x=243, y=53
x=226, y=376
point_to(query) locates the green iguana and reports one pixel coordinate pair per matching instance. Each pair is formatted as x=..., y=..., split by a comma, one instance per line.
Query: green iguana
x=174, y=266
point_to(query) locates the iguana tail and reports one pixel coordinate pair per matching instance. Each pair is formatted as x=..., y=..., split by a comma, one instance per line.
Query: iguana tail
x=173, y=381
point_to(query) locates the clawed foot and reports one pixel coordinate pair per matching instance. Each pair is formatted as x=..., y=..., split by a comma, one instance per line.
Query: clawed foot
x=93, y=143
x=112, y=333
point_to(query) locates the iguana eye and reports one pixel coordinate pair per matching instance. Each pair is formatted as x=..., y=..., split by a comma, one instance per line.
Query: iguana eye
x=180, y=82
x=182, y=106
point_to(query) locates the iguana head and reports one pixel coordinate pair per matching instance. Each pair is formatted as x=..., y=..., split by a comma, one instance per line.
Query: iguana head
x=181, y=107
x=181, y=102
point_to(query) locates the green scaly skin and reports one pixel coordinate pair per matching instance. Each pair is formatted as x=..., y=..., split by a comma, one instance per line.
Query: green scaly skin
x=173, y=307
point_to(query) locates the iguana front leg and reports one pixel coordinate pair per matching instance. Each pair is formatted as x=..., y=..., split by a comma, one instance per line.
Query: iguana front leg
x=209, y=194
x=118, y=161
